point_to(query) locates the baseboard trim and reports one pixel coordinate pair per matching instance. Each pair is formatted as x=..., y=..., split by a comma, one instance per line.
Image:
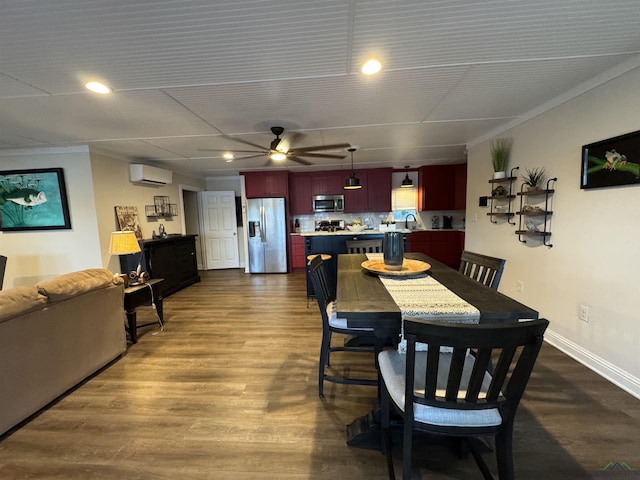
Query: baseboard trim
x=605, y=369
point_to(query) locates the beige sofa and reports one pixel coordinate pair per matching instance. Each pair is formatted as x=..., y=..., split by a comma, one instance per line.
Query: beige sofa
x=55, y=334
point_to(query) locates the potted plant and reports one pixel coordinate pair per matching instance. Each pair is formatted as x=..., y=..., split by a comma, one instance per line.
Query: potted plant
x=534, y=178
x=500, y=151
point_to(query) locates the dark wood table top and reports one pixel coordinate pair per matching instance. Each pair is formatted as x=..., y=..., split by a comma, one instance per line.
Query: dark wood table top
x=363, y=300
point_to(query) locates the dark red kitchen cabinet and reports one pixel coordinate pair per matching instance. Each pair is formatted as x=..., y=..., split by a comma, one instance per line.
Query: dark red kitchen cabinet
x=436, y=187
x=300, y=194
x=375, y=194
x=266, y=184
x=460, y=186
x=327, y=183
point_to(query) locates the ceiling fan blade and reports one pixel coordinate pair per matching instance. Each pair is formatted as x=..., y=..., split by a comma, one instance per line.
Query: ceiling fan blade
x=246, y=142
x=250, y=156
x=321, y=147
x=228, y=150
x=317, y=155
x=299, y=160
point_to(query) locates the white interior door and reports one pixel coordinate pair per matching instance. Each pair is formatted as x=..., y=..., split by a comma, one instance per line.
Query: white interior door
x=218, y=230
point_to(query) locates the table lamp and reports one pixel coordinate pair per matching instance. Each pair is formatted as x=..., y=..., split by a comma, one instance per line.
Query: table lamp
x=126, y=243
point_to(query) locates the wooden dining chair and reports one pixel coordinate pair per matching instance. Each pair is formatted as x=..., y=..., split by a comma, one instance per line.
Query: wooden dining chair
x=3, y=265
x=452, y=392
x=331, y=324
x=482, y=268
x=364, y=246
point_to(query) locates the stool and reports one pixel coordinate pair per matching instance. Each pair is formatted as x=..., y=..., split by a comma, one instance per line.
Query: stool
x=310, y=293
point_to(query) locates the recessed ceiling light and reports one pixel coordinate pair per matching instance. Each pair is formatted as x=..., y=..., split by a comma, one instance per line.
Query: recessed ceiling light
x=228, y=156
x=371, y=67
x=98, y=87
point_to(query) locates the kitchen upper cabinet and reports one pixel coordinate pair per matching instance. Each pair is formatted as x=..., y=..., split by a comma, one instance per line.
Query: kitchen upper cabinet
x=326, y=183
x=436, y=185
x=300, y=194
x=442, y=187
x=375, y=194
x=460, y=186
x=266, y=184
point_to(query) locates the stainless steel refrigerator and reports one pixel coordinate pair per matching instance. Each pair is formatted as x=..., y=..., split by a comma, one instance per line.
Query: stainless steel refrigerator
x=267, y=231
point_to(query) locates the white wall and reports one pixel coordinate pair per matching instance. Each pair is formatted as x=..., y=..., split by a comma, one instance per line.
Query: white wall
x=113, y=188
x=95, y=183
x=34, y=255
x=595, y=258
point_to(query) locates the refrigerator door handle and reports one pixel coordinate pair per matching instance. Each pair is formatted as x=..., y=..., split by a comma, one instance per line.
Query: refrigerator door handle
x=263, y=230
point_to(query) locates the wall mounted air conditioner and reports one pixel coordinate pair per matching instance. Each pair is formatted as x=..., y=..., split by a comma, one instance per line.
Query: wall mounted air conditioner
x=147, y=175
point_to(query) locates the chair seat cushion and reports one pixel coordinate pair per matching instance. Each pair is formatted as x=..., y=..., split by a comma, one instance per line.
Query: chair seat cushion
x=341, y=323
x=392, y=369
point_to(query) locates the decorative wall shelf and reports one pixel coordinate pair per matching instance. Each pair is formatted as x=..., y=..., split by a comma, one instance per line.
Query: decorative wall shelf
x=161, y=208
x=527, y=227
x=501, y=197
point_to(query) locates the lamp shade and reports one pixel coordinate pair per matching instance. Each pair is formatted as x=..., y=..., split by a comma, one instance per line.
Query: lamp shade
x=123, y=243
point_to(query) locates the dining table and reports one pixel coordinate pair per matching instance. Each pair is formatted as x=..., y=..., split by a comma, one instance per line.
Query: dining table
x=364, y=301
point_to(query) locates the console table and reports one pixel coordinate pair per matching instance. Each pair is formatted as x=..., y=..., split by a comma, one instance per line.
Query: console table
x=135, y=296
x=172, y=257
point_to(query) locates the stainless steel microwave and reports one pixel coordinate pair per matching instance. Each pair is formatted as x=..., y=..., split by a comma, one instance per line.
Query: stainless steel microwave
x=328, y=203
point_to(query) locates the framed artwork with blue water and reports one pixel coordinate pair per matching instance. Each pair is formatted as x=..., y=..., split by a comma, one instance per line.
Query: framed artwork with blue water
x=34, y=199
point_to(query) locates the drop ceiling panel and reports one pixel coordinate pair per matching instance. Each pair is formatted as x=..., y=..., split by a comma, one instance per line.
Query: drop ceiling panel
x=513, y=88
x=168, y=43
x=86, y=117
x=409, y=34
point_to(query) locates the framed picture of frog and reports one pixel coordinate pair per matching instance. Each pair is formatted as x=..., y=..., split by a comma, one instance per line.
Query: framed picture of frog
x=611, y=162
x=33, y=199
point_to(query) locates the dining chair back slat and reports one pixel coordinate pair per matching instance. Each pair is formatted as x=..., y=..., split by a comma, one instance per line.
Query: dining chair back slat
x=364, y=246
x=482, y=268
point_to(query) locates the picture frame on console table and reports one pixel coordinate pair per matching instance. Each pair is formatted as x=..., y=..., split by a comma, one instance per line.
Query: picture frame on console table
x=34, y=199
x=612, y=162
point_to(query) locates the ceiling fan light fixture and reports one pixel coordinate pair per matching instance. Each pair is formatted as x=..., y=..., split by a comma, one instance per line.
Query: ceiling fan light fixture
x=277, y=156
x=353, y=182
x=371, y=67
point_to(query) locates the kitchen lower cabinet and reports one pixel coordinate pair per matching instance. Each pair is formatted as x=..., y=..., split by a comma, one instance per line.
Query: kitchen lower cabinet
x=297, y=252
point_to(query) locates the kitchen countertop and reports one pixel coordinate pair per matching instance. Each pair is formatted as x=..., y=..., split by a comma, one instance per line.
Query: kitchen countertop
x=377, y=232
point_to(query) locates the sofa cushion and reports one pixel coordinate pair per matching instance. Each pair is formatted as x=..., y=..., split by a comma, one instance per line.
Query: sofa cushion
x=75, y=283
x=20, y=300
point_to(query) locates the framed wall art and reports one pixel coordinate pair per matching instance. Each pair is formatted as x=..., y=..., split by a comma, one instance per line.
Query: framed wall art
x=128, y=220
x=611, y=162
x=34, y=199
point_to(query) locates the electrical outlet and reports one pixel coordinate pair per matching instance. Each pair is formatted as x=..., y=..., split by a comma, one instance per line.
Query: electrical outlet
x=520, y=286
x=583, y=313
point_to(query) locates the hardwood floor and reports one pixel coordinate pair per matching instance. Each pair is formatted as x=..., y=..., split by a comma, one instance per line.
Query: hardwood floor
x=229, y=390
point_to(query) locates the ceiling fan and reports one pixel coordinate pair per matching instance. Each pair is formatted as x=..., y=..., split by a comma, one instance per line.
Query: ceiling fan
x=278, y=150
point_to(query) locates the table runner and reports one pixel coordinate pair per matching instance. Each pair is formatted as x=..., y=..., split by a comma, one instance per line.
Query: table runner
x=424, y=297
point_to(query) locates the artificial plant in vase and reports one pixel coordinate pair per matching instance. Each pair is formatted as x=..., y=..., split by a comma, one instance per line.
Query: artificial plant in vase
x=534, y=178
x=500, y=152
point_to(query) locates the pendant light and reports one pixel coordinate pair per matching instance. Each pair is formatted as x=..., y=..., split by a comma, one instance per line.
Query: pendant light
x=407, y=182
x=353, y=182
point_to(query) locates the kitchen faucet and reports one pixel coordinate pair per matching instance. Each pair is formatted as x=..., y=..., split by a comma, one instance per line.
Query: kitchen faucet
x=406, y=220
